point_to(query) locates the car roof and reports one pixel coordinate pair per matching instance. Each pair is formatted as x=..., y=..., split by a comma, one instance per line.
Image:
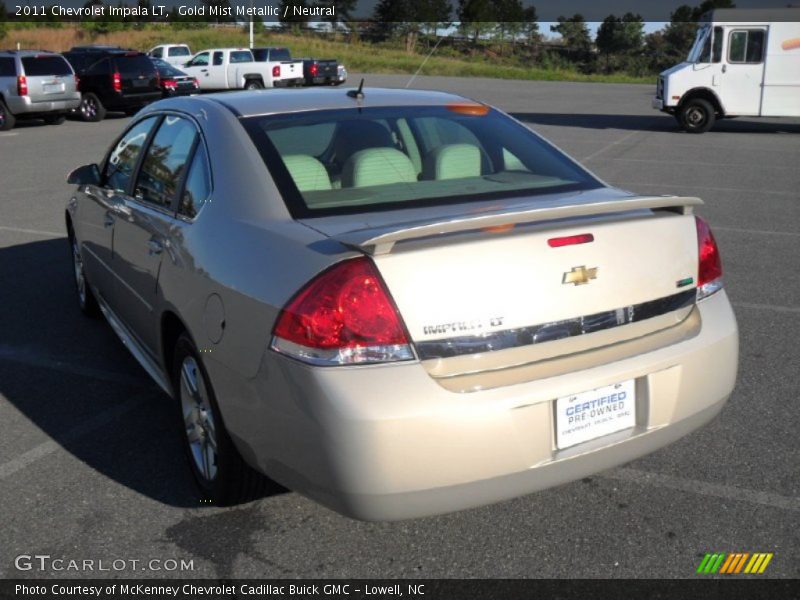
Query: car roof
x=29, y=52
x=277, y=101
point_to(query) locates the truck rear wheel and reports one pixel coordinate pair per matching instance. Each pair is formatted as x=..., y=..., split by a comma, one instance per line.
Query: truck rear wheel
x=697, y=116
x=253, y=84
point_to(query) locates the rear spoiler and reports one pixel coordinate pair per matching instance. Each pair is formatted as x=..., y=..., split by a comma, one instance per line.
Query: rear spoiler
x=381, y=240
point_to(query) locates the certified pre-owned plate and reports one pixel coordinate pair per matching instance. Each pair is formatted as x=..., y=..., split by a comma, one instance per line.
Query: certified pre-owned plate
x=595, y=413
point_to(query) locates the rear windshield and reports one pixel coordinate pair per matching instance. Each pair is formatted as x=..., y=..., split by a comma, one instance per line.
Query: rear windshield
x=167, y=70
x=179, y=51
x=45, y=65
x=138, y=64
x=241, y=56
x=351, y=161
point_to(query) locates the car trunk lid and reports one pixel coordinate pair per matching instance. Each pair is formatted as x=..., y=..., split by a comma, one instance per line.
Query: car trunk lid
x=502, y=288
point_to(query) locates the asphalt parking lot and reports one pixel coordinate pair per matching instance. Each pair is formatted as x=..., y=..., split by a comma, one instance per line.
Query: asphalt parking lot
x=90, y=461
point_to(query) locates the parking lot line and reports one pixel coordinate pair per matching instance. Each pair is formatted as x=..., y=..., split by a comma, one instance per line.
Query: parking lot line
x=31, y=358
x=705, y=488
x=756, y=231
x=32, y=231
x=91, y=424
x=754, y=306
x=622, y=140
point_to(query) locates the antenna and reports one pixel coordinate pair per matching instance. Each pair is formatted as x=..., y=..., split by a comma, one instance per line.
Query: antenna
x=357, y=94
x=414, y=76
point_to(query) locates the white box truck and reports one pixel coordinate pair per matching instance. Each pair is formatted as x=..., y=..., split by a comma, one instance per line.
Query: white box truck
x=743, y=63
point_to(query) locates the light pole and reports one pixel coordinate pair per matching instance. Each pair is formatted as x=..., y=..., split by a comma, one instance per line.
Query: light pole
x=251, y=24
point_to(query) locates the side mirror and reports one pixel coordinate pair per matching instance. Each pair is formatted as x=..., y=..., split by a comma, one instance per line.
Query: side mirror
x=85, y=175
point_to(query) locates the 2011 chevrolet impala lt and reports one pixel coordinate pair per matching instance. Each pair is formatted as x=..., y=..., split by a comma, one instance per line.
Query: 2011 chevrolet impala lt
x=398, y=303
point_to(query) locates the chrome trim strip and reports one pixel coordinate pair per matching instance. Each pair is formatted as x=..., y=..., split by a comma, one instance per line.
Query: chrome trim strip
x=548, y=332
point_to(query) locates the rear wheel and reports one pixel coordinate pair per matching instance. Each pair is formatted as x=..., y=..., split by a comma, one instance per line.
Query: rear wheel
x=86, y=300
x=220, y=471
x=7, y=120
x=55, y=119
x=91, y=108
x=253, y=84
x=697, y=116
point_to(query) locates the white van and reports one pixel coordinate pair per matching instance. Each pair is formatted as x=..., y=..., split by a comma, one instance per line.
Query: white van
x=743, y=63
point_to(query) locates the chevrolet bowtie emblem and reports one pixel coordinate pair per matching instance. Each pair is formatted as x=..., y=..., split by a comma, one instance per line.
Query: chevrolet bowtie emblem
x=579, y=275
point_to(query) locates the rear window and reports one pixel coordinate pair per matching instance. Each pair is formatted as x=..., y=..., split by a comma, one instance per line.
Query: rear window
x=45, y=65
x=280, y=54
x=7, y=68
x=134, y=65
x=241, y=56
x=351, y=161
x=179, y=51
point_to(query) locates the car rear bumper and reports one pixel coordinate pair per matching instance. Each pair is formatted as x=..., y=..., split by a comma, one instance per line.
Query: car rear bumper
x=130, y=101
x=22, y=105
x=388, y=442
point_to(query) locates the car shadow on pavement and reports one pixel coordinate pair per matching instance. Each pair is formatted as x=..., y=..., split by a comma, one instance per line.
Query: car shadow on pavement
x=655, y=122
x=70, y=376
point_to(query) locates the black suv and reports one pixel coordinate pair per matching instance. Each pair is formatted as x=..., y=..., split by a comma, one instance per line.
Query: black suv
x=113, y=79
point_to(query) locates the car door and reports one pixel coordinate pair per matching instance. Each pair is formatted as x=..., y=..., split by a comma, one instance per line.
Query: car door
x=99, y=207
x=218, y=78
x=198, y=68
x=743, y=73
x=143, y=239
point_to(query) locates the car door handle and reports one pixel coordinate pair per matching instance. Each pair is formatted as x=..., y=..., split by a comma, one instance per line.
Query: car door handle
x=724, y=68
x=154, y=247
x=109, y=220
x=204, y=70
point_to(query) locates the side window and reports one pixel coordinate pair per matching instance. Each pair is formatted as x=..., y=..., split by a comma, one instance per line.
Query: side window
x=716, y=55
x=101, y=67
x=198, y=185
x=165, y=161
x=746, y=46
x=122, y=159
x=217, y=59
x=158, y=52
x=201, y=60
x=7, y=67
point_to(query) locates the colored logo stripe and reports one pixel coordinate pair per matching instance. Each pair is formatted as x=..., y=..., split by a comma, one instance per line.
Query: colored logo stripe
x=734, y=563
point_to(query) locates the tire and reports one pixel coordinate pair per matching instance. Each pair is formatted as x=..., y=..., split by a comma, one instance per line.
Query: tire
x=697, y=116
x=91, y=109
x=7, y=120
x=86, y=300
x=221, y=473
x=253, y=84
x=55, y=119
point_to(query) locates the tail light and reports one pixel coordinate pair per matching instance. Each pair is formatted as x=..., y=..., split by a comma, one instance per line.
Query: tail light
x=77, y=82
x=314, y=70
x=343, y=316
x=276, y=71
x=709, y=273
x=22, y=86
x=169, y=84
x=116, y=82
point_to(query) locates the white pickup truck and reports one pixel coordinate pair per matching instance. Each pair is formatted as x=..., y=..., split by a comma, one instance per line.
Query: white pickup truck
x=231, y=69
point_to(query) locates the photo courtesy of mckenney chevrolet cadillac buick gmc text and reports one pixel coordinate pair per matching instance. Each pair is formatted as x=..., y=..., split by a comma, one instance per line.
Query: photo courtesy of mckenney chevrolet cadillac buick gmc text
x=396, y=302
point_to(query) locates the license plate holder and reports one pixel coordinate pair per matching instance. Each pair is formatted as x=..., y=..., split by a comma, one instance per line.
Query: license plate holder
x=594, y=413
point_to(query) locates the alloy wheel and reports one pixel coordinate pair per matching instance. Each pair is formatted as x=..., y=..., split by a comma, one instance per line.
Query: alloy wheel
x=198, y=419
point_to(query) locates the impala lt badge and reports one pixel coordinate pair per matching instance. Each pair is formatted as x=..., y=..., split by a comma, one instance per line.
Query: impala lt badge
x=579, y=275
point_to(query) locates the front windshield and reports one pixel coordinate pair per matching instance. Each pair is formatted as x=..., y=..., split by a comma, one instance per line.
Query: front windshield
x=360, y=160
x=702, y=45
